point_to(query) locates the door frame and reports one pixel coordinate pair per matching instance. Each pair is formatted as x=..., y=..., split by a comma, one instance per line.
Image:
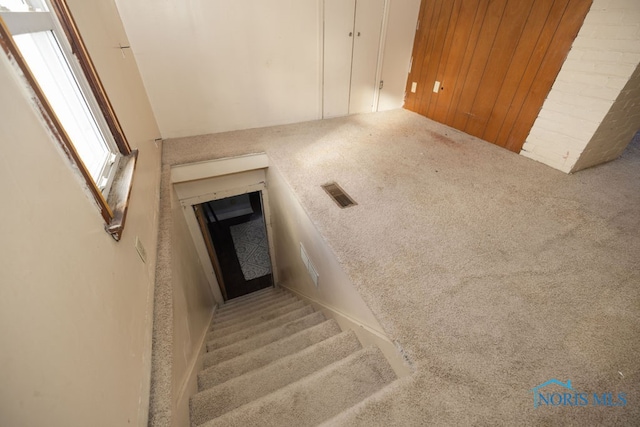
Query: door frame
x=217, y=179
x=198, y=210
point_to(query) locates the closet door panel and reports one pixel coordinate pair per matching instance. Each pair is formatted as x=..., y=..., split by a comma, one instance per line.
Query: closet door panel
x=338, y=50
x=366, y=46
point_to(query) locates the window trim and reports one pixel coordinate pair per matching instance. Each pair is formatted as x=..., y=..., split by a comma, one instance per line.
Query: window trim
x=113, y=208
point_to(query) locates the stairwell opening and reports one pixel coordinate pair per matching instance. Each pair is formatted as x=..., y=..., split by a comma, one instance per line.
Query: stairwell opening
x=234, y=188
x=235, y=234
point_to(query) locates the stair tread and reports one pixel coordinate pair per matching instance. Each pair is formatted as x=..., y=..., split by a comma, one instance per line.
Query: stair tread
x=240, y=312
x=236, y=349
x=248, y=332
x=375, y=409
x=270, y=312
x=253, y=295
x=250, y=297
x=262, y=356
x=225, y=397
x=317, y=397
x=228, y=313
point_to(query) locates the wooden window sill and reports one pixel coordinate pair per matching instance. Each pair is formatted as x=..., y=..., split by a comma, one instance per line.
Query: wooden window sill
x=120, y=193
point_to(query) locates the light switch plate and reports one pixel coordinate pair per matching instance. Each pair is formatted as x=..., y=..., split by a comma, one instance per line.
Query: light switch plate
x=414, y=87
x=436, y=87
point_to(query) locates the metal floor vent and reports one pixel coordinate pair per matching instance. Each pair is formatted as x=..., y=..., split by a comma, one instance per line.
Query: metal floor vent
x=338, y=195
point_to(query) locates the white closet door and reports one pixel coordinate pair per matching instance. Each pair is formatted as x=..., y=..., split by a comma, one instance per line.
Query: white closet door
x=338, y=49
x=366, y=44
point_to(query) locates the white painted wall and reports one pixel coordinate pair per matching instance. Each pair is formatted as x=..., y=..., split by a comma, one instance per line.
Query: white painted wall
x=75, y=305
x=214, y=65
x=602, y=60
x=616, y=130
x=293, y=226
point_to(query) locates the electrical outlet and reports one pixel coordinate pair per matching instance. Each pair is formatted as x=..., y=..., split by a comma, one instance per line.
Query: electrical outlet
x=141, y=250
x=436, y=87
x=414, y=87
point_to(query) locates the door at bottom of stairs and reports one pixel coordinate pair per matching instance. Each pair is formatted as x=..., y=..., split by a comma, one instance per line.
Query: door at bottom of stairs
x=235, y=233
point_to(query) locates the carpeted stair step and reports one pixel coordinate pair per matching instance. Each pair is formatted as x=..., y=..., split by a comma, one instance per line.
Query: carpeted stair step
x=237, y=348
x=381, y=408
x=229, y=307
x=262, y=356
x=224, y=314
x=251, y=297
x=253, y=294
x=317, y=397
x=255, y=314
x=258, y=329
x=243, y=389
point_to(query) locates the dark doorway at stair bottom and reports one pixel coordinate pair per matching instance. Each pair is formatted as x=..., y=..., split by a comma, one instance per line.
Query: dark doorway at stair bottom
x=238, y=240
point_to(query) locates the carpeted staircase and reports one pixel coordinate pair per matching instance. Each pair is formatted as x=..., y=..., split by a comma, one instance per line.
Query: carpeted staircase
x=273, y=361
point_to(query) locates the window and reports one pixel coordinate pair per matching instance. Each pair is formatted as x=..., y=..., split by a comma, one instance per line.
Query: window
x=41, y=38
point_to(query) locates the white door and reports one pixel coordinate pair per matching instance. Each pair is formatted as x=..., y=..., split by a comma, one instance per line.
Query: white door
x=338, y=49
x=366, y=46
x=351, y=45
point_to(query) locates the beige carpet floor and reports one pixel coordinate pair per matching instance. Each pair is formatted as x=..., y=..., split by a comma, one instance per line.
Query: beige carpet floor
x=495, y=273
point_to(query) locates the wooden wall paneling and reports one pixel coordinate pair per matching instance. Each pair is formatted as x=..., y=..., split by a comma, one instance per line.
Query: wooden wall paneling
x=522, y=59
x=429, y=56
x=546, y=35
x=496, y=61
x=441, y=29
x=479, y=62
x=459, y=41
x=421, y=50
x=446, y=53
x=539, y=51
x=418, y=43
x=502, y=52
x=559, y=47
x=467, y=56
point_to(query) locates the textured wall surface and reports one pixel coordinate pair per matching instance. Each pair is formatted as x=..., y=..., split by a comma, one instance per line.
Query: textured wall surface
x=75, y=305
x=616, y=130
x=602, y=60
